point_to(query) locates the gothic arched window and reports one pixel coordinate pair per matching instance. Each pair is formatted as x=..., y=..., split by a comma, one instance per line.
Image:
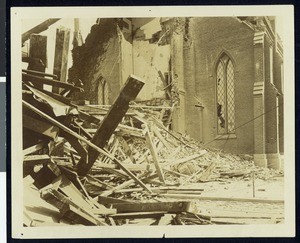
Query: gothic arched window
x=225, y=95
x=102, y=92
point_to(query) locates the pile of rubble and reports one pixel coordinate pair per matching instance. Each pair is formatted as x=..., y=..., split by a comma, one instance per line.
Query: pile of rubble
x=113, y=165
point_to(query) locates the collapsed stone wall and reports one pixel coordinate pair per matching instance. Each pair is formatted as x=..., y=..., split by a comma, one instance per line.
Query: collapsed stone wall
x=96, y=59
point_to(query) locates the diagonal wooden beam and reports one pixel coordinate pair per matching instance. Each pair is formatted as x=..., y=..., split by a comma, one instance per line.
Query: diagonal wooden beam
x=38, y=29
x=110, y=122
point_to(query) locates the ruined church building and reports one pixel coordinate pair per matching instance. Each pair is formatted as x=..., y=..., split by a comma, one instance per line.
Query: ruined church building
x=222, y=75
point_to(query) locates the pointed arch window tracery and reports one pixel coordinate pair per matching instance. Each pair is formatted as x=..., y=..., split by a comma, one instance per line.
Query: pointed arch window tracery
x=225, y=94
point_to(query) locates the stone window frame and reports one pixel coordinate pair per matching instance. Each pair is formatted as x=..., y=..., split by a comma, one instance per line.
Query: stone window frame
x=227, y=133
x=103, y=85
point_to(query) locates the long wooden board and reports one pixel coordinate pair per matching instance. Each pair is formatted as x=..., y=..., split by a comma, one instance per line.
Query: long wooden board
x=110, y=122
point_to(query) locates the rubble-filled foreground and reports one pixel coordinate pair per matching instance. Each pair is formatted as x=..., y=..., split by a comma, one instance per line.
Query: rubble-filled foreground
x=122, y=164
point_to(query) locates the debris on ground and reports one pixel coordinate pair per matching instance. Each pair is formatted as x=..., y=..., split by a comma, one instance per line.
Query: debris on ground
x=117, y=165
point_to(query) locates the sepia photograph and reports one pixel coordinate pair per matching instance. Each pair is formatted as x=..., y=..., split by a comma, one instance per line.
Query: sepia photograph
x=165, y=121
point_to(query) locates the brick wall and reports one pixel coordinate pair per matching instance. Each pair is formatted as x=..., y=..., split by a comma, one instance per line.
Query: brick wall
x=212, y=36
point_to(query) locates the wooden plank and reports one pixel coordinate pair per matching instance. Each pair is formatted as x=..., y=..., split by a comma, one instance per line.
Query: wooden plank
x=111, y=200
x=110, y=122
x=81, y=150
x=129, y=166
x=170, y=207
x=37, y=59
x=73, y=177
x=138, y=215
x=69, y=209
x=77, y=38
x=154, y=155
x=42, y=74
x=77, y=216
x=254, y=200
x=41, y=127
x=83, y=131
x=38, y=51
x=154, y=107
x=31, y=160
x=94, y=181
x=38, y=29
x=40, y=80
x=161, y=138
x=183, y=192
x=66, y=129
x=112, y=222
x=119, y=187
x=58, y=97
x=33, y=148
x=165, y=83
x=61, y=55
x=69, y=189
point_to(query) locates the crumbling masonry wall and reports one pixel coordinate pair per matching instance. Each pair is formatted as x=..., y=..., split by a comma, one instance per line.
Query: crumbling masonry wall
x=98, y=58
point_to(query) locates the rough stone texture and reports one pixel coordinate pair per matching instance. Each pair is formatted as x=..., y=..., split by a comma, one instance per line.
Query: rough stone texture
x=98, y=57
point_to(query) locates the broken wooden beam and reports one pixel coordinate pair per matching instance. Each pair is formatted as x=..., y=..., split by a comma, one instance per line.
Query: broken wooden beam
x=154, y=155
x=40, y=127
x=204, y=198
x=61, y=55
x=37, y=59
x=38, y=49
x=161, y=138
x=167, y=88
x=32, y=160
x=111, y=200
x=34, y=148
x=170, y=207
x=69, y=209
x=77, y=37
x=138, y=215
x=57, y=97
x=42, y=74
x=110, y=122
x=40, y=80
x=38, y=29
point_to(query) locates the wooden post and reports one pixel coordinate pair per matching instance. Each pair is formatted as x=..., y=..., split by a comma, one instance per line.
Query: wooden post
x=37, y=60
x=253, y=184
x=110, y=122
x=77, y=38
x=154, y=155
x=61, y=55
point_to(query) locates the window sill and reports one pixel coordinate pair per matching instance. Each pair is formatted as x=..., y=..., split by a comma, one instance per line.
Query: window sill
x=226, y=136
